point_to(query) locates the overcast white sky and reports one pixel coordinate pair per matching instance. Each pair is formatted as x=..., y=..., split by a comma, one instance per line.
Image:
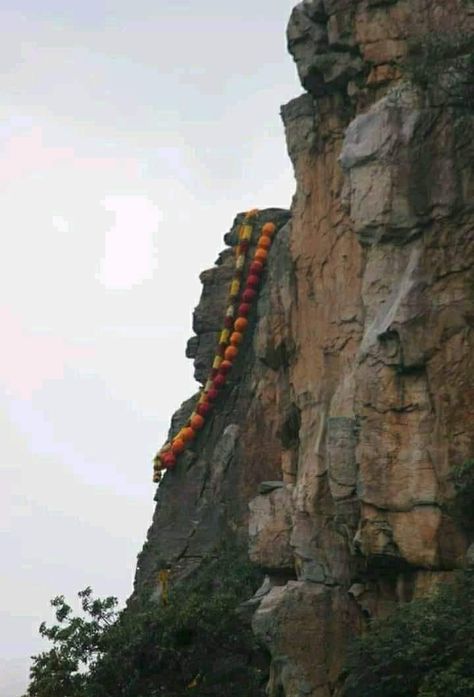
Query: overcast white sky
x=131, y=132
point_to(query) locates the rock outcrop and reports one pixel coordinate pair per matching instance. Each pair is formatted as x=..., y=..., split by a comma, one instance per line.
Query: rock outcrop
x=204, y=501
x=354, y=395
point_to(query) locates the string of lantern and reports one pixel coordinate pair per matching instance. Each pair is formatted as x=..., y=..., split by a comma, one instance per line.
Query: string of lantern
x=230, y=338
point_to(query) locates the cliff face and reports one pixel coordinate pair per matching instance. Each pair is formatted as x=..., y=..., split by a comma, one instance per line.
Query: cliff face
x=354, y=394
x=204, y=501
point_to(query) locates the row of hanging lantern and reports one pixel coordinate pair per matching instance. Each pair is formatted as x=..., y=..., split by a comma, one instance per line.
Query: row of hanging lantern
x=230, y=338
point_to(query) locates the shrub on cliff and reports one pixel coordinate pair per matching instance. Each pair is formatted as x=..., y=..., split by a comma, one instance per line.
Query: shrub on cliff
x=194, y=645
x=424, y=649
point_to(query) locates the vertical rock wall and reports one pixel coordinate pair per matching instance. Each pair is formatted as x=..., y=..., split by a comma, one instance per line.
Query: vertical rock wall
x=382, y=242
x=204, y=501
x=354, y=394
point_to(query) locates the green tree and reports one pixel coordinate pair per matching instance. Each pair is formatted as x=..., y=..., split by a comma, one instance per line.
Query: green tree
x=195, y=644
x=424, y=649
x=78, y=642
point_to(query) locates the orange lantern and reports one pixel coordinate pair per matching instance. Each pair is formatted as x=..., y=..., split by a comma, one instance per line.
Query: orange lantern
x=261, y=254
x=231, y=353
x=231, y=336
x=236, y=338
x=264, y=242
x=187, y=434
x=197, y=422
x=178, y=446
x=240, y=324
x=269, y=229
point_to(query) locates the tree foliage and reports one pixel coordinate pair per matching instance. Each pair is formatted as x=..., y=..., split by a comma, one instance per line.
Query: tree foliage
x=195, y=644
x=78, y=643
x=425, y=649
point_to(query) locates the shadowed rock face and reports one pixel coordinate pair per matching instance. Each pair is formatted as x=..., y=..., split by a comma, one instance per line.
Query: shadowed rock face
x=355, y=389
x=205, y=499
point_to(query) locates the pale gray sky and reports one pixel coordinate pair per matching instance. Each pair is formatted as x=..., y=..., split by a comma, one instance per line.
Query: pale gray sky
x=131, y=132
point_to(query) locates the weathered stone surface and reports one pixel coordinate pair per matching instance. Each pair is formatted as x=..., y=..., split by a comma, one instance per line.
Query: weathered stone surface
x=342, y=466
x=314, y=9
x=381, y=74
x=322, y=48
x=273, y=342
x=306, y=627
x=340, y=44
x=302, y=114
x=384, y=259
x=192, y=347
x=320, y=544
x=357, y=388
x=392, y=196
x=270, y=526
x=289, y=465
x=205, y=499
x=470, y=556
x=340, y=35
x=381, y=131
x=304, y=26
x=207, y=317
x=267, y=487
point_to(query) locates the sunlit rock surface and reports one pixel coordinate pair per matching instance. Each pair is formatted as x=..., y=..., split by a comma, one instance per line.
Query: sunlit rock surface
x=355, y=388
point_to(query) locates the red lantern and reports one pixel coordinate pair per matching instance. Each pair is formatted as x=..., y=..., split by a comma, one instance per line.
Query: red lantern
x=248, y=295
x=169, y=460
x=219, y=381
x=244, y=309
x=203, y=408
x=252, y=281
x=224, y=367
x=256, y=267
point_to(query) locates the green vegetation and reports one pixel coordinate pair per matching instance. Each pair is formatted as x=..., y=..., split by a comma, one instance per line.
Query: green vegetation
x=425, y=649
x=194, y=645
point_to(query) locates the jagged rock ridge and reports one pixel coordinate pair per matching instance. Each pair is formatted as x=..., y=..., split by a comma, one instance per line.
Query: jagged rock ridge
x=354, y=393
x=204, y=500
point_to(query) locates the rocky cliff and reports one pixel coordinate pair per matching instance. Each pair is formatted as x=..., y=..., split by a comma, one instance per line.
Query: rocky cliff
x=352, y=400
